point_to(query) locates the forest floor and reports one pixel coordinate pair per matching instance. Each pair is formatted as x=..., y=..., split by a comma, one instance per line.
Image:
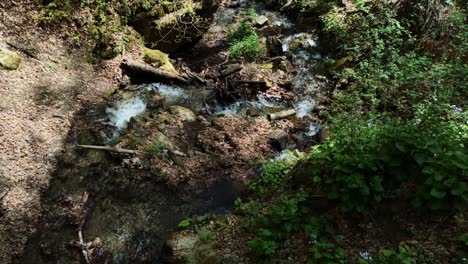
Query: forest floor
x=36, y=103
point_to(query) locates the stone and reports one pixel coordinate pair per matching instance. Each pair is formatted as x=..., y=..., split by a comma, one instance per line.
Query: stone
x=274, y=46
x=182, y=113
x=9, y=60
x=279, y=139
x=252, y=111
x=189, y=248
x=261, y=21
x=159, y=59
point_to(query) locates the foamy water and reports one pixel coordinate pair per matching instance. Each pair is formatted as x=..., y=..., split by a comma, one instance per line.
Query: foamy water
x=121, y=114
x=304, y=107
x=234, y=108
x=172, y=93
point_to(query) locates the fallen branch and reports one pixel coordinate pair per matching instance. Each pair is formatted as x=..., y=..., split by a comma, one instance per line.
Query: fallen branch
x=107, y=148
x=230, y=69
x=281, y=114
x=248, y=82
x=144, y=69
x=82, y=244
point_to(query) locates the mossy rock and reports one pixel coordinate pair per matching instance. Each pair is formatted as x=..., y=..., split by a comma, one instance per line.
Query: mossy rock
x=159, y=59
x=9, y=60
x=182, y=113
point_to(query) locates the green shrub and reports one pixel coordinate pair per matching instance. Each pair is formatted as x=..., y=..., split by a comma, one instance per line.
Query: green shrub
x=385, y=63
x=327, y=253
x=407, y=253
x=364, y=159
x=272, y=180
x=278, y=220
x=244, y=41
x=249, y=47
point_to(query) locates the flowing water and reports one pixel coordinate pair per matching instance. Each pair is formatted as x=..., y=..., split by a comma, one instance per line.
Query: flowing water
x=128, y=209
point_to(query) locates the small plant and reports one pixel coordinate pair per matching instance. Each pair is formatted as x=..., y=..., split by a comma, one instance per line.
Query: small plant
x=244, y=42
x=154, y=149
x=55, y=11
x=248, y=47
x=272, y=179
x=407, y=253
x=327, y=253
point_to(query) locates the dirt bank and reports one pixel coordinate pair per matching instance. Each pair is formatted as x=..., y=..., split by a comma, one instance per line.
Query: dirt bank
x=36, y=102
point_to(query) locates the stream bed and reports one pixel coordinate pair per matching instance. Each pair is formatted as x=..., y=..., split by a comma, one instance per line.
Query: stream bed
x=126, y=209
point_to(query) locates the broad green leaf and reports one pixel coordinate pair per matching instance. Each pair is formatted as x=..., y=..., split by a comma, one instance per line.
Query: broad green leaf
x=438, y=193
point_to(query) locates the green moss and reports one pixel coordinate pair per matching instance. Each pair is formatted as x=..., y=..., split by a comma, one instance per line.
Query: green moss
x=159, y=59
x=9, y=60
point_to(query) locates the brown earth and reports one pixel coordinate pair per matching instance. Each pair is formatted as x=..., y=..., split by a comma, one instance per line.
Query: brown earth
x=36, y=103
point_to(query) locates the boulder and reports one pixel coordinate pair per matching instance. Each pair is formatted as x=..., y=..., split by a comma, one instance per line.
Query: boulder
x=189, y=248
x=9, y=60
x=279, y=139
x=261, y=21
x=183, y=114
x=252, y=111
x=159, y=60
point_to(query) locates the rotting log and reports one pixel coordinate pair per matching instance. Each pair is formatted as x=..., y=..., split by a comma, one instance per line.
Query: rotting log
x=230, y=69
x=107, y=148
x=148, y=71
x=281, y=114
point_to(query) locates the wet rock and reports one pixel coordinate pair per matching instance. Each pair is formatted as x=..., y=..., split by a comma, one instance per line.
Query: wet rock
x=9, y=60
x=159, y=59
x=155, y=102
x=189, y=248
x=261, y=21
x=252, y=111
x=279, y=139
x=323, y=134
x=164, y=142
x=274, y=46
x=183, y=114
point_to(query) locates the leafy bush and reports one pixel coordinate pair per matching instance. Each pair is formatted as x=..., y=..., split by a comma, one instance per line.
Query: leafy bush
x=273, y=224
x=388, y=70
x=407, y=253
x=248, y=47
x=272, y=180
x=327, y=253
x=244, y=41
x=366, y=158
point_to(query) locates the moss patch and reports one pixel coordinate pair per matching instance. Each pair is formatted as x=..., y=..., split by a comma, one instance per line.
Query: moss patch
x=159, y=59
x=9, y=60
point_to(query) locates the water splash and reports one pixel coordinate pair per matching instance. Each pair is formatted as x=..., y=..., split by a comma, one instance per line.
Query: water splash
x=314, y=129
x=235, y=108
x=121, y=114
x=304, y=107
x=171, y=93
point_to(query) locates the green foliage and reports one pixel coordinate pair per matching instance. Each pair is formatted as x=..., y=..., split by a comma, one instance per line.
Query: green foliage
x=154, y=149
x=244, y=42
x=327, y=253
x=55, y=11
x=241, y=32
x=407, y=253
x=272, y=180
x=275, y=222
x=184, y=223
x=389, y=71
x=365, y=158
